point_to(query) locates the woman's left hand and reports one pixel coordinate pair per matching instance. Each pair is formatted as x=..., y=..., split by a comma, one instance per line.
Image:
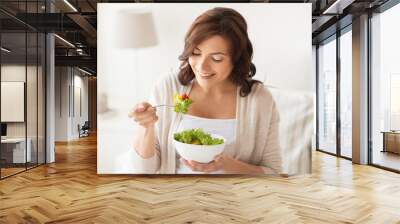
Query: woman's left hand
x=220, y=162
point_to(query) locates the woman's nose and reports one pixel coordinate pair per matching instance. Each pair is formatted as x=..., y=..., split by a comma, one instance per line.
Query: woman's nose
x=203, y=65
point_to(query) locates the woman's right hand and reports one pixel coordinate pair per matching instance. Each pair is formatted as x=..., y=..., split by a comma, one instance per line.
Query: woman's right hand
x=144, y=114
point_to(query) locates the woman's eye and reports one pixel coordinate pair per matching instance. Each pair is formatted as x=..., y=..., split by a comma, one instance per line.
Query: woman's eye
x=195, y=53
x=217, y=59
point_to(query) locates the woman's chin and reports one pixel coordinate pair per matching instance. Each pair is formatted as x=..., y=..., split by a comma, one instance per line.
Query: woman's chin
x=205, y=82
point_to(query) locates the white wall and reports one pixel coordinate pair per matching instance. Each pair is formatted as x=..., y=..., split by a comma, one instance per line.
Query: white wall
x=281, y=38
x=80, y=84
x=17, y=73
x=33, y=127
x=282, y=46
x=68, y=82
x=61, y=103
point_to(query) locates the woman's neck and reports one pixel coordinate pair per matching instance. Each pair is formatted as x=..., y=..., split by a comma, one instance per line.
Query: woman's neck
x=215, y=91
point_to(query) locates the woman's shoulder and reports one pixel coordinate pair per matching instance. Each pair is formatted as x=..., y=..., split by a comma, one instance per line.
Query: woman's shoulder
x=261, y=92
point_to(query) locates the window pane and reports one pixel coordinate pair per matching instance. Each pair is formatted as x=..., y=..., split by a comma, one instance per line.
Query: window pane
x=31, y=101
x=386, y=88
x=327, y=97
x=13, y=86
x=346, y=94
x=41, y=98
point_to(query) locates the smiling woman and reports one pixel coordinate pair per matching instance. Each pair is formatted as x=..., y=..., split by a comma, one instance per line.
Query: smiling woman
x=216, y=73
x=218, y=40
x=210, y=62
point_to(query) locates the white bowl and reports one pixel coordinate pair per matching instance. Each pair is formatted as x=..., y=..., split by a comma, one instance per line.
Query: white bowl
x=199, y=153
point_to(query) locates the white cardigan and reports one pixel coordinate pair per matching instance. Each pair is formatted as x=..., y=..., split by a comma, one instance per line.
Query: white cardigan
x=256, y=129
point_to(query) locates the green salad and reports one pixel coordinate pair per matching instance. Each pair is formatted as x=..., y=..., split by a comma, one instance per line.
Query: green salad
x=197, y=137
x=181, y=103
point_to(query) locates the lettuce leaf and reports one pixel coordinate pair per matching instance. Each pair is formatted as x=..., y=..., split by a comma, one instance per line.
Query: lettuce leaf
x=181, y=106
x=197, y=137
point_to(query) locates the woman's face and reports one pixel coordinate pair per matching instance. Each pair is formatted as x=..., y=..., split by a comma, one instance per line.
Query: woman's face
x=211, y=62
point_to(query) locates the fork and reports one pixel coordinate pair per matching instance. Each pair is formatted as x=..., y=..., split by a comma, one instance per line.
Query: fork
x=162, y=105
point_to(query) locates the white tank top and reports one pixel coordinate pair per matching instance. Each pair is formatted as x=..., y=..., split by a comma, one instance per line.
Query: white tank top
x=223, y=127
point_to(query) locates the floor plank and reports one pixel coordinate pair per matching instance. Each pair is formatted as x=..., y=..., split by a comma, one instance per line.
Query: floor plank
x=70, y=191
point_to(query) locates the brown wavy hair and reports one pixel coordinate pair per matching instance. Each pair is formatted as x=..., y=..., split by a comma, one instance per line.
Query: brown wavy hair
x=230, y=25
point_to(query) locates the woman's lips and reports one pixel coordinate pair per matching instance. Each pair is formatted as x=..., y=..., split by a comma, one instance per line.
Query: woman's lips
x=205, y=75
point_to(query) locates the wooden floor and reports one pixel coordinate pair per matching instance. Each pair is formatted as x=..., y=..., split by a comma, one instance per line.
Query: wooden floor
x=5, y=172
x=70, y=191
x=10, y=171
